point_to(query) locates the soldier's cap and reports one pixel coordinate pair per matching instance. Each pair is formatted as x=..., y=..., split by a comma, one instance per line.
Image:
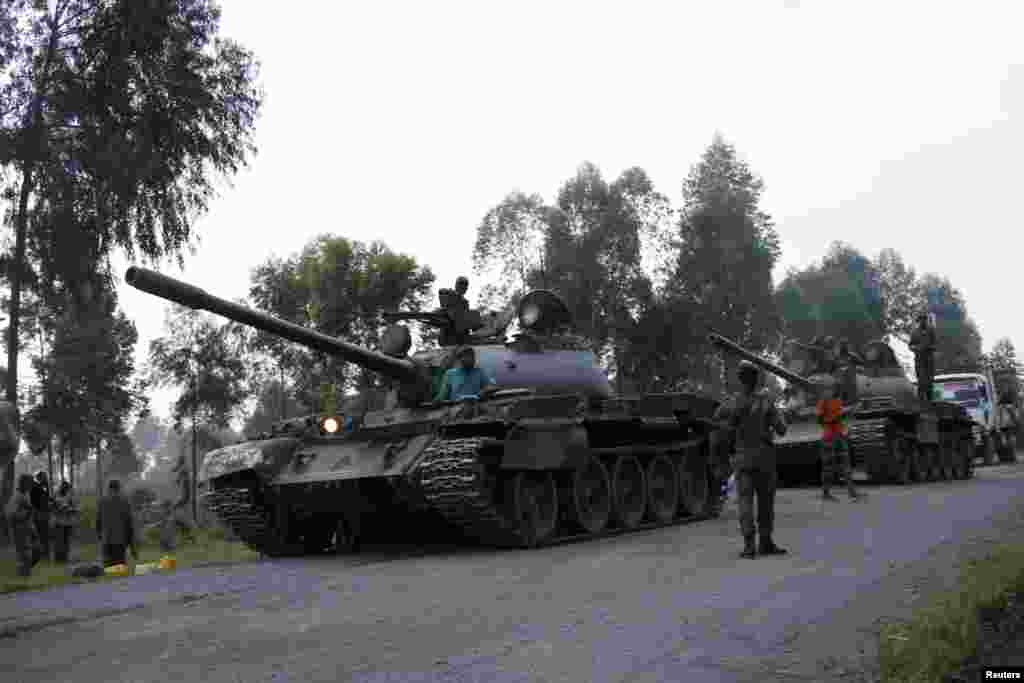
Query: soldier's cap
x=462, y=279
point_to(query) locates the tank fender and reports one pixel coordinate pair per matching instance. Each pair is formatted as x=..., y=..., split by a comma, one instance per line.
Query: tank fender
x=267, y=458
x=545, y=445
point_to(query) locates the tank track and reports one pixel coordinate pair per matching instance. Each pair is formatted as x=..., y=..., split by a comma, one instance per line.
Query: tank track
x=453, y=482
x=247, y=520
x=868, y=442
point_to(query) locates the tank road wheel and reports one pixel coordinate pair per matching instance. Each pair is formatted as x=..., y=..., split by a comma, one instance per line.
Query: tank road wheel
x=533, y=506
x=905, y=461
x=591, y=492
x=1008, y=452
x=629, y=492
x=345, y=539
x=946, y=456
x=695, y=491
x=988, y=450
x=662, y=489
x=963, y=452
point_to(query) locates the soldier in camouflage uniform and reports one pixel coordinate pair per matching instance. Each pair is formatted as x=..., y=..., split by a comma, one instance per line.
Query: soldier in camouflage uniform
x=21, y=516
x=753, y=417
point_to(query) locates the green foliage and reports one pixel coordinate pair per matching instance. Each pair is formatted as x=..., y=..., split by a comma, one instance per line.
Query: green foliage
x=944, y=634
x=197, y=357
x=272, y=404
x=338, y=287
x=958, y=347
x=115, y=118
x=1003, y=356
x=728, y=248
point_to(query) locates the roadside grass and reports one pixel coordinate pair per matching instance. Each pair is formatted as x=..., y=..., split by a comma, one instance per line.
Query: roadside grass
x=210, y=546
x=942, y=635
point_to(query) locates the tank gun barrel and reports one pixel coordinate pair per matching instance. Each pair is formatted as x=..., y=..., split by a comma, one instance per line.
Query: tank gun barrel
x=191, y=296
x=735, y=349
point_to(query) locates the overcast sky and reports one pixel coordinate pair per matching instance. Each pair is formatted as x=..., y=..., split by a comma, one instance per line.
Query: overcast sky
x=897, y=124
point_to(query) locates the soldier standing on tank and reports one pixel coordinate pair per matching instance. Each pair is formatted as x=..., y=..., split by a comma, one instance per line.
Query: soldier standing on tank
x=922, y=343
x=753, y=417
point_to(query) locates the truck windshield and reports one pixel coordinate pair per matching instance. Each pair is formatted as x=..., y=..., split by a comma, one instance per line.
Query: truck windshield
x=961, y=392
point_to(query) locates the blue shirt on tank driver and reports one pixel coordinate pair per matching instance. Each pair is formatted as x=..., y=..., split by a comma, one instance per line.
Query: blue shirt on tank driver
x=460, y=382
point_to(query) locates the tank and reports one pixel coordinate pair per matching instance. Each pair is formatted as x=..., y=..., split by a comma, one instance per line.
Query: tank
x=894, y=436
x=551, y=454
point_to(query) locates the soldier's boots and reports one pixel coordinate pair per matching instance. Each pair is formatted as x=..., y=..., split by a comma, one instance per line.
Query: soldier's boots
x=749, y=549
x=768, y=547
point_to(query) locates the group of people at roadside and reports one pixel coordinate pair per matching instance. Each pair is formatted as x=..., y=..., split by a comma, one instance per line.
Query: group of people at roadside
x=40, y=521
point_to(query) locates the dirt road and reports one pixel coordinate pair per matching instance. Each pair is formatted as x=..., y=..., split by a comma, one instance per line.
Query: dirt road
x=667, y=605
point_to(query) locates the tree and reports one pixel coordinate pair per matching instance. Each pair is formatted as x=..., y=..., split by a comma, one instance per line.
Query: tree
x=1003, y=356
x=958, y=341
x=198, y=357
x=842, y=297
x=272, y=404
x=728, y=248
x=509, y=247
x=114, y=116
x=900, y=294
x=338, y=287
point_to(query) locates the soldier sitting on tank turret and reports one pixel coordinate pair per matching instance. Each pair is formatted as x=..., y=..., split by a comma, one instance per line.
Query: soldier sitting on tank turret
x=456, y=306
x=465, y=380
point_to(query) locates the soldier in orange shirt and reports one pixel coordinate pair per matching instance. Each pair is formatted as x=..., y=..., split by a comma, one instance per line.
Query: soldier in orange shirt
x=835, y=447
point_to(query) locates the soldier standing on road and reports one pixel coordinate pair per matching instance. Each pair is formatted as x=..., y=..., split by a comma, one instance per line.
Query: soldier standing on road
x=42, y=504
x=21, y=518
x=835, y=447
x=115, y=525
x=922, y=343
x=182, y=508
x=753, y=416
x=65, y=518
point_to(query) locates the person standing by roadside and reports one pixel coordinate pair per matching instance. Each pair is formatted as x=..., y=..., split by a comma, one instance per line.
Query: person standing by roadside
x=115, y=525
x=753, y=418
x=835, y=446
x=42, y=504
x=65, y=519
x=21, y=518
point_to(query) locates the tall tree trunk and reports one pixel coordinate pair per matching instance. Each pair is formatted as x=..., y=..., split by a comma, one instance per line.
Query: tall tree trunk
x=99, y=472
x=195, y=466
x=29, y=156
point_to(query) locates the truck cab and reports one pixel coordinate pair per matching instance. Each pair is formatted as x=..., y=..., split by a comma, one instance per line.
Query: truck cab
x=995, y=426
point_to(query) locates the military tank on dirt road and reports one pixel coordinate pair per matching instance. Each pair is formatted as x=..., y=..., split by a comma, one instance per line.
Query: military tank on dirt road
x=551, y=454
x=894, y=436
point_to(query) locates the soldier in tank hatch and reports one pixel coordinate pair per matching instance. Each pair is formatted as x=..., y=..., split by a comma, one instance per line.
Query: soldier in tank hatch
x=754, y=418
x=465, y=379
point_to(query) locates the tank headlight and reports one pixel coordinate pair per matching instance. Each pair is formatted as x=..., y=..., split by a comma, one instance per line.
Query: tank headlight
x=530, y=315
x=331, y=425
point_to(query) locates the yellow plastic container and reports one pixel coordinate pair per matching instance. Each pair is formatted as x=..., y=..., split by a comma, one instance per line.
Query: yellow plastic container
x=117, y=570
x=141, y=569
x=167, y=563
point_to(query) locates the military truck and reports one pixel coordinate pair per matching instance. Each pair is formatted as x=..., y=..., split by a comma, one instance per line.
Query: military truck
x=990, y=399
